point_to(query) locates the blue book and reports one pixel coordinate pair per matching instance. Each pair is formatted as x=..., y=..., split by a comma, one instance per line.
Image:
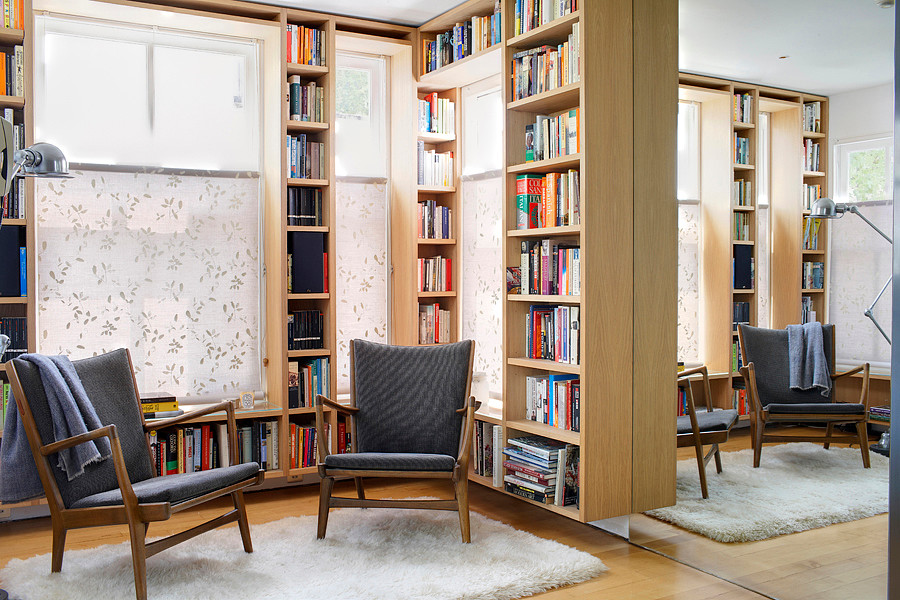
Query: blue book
x=555, y=406
x=23, y=279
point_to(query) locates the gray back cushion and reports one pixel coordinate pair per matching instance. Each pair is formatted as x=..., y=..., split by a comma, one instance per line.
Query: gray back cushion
x=108, y=382
x=767, y=349
x=407, y=396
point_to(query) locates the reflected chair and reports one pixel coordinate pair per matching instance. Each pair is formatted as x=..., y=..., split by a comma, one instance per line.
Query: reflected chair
x=709, y=427
x=767, y=376
x=123, y=489
x=411, y=416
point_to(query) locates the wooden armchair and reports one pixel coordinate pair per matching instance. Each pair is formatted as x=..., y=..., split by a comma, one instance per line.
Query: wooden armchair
x=410, y=416
x=123, y=489
x=703, y=428
x=767, y=375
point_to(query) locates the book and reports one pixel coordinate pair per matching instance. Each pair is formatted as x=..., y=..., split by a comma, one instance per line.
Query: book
x=308, y=265
x=543, y=448
x=12, y=240
x=530, y=494
x=153, y=407
x=513, y=280
x=168, y=414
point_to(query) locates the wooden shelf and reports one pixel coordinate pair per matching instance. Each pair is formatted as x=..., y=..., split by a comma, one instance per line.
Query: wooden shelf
x=547, y=431
x=552, y=33
x=12, y=102
x=813, y=174
x=302, y=126
x=817, y=252
x=10, y=36
x=13, y=299
x=474, y=67
x=740, y=167
x=570, y=161
x=814, y=135
x=320, y=296
x=743, y=242
x=740, y=208
x=739, y=292
x=254, y=413
x=741, y=126
x=449, y=294
x=436, y=242
x=435, y=138
x=811, y=291
x=305, y=410
x=297, y=182
x=314, y=352
x=553, y=299
x=310, y=228
x=545, y=365
x=493, y=419
x=435, y=189
x=306, y=70
x=486, y=481
x=545, y=231
x=553, y=100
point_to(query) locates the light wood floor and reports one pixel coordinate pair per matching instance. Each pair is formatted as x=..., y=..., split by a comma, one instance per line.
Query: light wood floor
x=843, y=561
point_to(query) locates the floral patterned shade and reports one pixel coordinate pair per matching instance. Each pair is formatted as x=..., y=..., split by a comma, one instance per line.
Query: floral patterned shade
x=165, y=265
x=689, y=283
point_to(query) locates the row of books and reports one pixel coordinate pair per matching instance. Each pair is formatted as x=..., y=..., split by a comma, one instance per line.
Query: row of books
x=5, y=392
x=14, y=14
x=551, y=200
x=160, y=406
x=531, y=14
x=435, y=274
x=880, y=413
x=16, y=328
x=741, y=150
x=743, y=267
x=12, y=72
x=812, y=117
x=554, y=400
x=305, y=45
x=810, y=155
x=306, y=100
x=304, y=207
x=465, y=39
x=12, y=206
x=553, y=136
x=303, y=446
x=307, y=260
x=434, y=324
x=435, y=222
x=437, y=115
x=487, y=462
x=342, y=444
x=740, y=314
x=553, y=333
x=307, y=379
x=739, y=401
x=737, y=361
x=550, y=267
x=13, y=265
x=307, y=158
x=741, y=227
x=542, y=470
x=742, y=193
x=742, y=108
x=681, y=402
x=305, y=330
x=546, y=68
x=813, y=276
x=811, y=233
x=432, y=167
x=807, y=313
x=811, y=193
x=197, y=447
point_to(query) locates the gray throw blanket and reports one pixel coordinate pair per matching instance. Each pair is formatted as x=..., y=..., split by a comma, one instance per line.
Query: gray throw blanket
x=808, y=366
x=71, y=413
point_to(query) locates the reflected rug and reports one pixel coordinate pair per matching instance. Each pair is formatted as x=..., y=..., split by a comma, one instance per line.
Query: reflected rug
x=373, y=554
x=797, y=486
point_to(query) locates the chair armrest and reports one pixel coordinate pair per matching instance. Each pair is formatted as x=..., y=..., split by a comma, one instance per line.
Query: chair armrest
x=188, y=416
x=701, y=370
x=465, y=441
x=852, y=371
x=694, y=371
x=748, y=371
x=108, y=431
x=465, y=408
x=322, y=450
x=341, y=408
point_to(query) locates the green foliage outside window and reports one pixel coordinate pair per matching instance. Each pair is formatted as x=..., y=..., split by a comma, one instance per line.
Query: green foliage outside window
x=354, y=92
x=868, y=175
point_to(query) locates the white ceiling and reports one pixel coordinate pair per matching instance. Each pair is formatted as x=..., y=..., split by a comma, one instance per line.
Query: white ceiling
x=831, y=45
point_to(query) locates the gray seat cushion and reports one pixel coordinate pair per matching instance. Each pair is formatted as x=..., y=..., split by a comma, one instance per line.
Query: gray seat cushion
x=175, y=488
x=389, y=461
x=836, y=408
x=717, y=420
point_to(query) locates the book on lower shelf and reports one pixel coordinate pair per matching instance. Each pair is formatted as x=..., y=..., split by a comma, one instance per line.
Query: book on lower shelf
x=880, y=413
x=553, y=333
x=807, y=312
x=306, y=157
x=307, y=262
x=740, y=314
x=13, y=266
x=304, y=207
x=813, y=275
x=303, y=445
x=435, y=221
x=434, y=324
x=811, y=233
x=550, y=267
x=742, y=193
x=433, y=168
x=553, y=136
x=16, y=328
x=546, y=67
x=551, y=200
x=201, y=447
x=810, y=155
x=542, y=470
x=554, y=400
x=435, y=274
x=305, y=45
x=437, y=115
x=306, y=379
x=812, y=117
x=306, y=100
x=486, y=451
x=305, y=330
x=741, y=150
x=811, y=193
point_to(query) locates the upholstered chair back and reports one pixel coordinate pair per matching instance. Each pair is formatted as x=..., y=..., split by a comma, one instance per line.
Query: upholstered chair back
x=109, y=384
x=408, y=396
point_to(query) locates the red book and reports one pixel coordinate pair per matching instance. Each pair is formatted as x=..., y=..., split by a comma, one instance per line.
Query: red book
x=520, y=468
x=449, y=275
x=325, y=270
x=341, y=438
x=204, y=448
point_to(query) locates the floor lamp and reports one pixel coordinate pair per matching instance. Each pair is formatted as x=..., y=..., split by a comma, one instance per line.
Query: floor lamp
x=826, y=208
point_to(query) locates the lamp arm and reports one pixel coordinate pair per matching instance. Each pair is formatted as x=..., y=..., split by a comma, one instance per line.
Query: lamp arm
x=871, y=315
x=852, y=208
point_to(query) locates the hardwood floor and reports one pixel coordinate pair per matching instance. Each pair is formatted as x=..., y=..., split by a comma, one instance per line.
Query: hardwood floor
x=838, y=562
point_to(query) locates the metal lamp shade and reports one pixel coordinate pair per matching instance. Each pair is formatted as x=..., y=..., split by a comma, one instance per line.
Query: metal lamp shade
x=43, y=160
x=825, y=208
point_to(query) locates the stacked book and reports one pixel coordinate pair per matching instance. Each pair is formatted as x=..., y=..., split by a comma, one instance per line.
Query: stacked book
x=487, y=459
x=810, y=155
x=305, y=330
x=160, y=405
x=550, y=200
x=742, y=108
x=542, y=470
x=304, y=445
x=546, y=68
x=306, y=380
x=305, y=45
x=812, y=117
x=880, y=413
x=433, y=168
x=434, y=324
x=437, y=115
x=742, y=193
x=813, y=275
x=554, y=400
x=435, y=222
x=553, y=333
x=741, y=150
x=307, y=100
x=553, y=136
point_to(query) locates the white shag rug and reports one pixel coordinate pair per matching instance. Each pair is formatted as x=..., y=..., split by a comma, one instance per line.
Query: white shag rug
x=798, y=486
x=389, y=554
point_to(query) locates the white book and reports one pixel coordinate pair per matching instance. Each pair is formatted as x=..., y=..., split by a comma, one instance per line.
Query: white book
x=560, y=476
x=224, y=448
x=498, y=456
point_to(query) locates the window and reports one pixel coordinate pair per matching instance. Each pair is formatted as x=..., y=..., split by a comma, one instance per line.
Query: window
x=482, y=278
x=140, y=249
x=361, y=206
x=864, y=177
x=689, y=234
x=763, y=221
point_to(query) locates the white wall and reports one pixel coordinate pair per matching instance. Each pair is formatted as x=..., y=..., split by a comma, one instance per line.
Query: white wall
x=860, y=113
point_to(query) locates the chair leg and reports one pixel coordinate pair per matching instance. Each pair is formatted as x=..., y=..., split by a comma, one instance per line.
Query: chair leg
x=758, y=443
x=718, y=458
x=325, y=487
x=462, y=501
x=829, y=430
x=59, y=546
x=138, y=559
x=863, y=442
x=701, y=465
x=360, y=490
x=243, y=524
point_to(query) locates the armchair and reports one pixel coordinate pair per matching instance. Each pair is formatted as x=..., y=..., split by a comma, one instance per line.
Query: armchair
x=123, y=489
x=410, y=416
x=767, y=376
